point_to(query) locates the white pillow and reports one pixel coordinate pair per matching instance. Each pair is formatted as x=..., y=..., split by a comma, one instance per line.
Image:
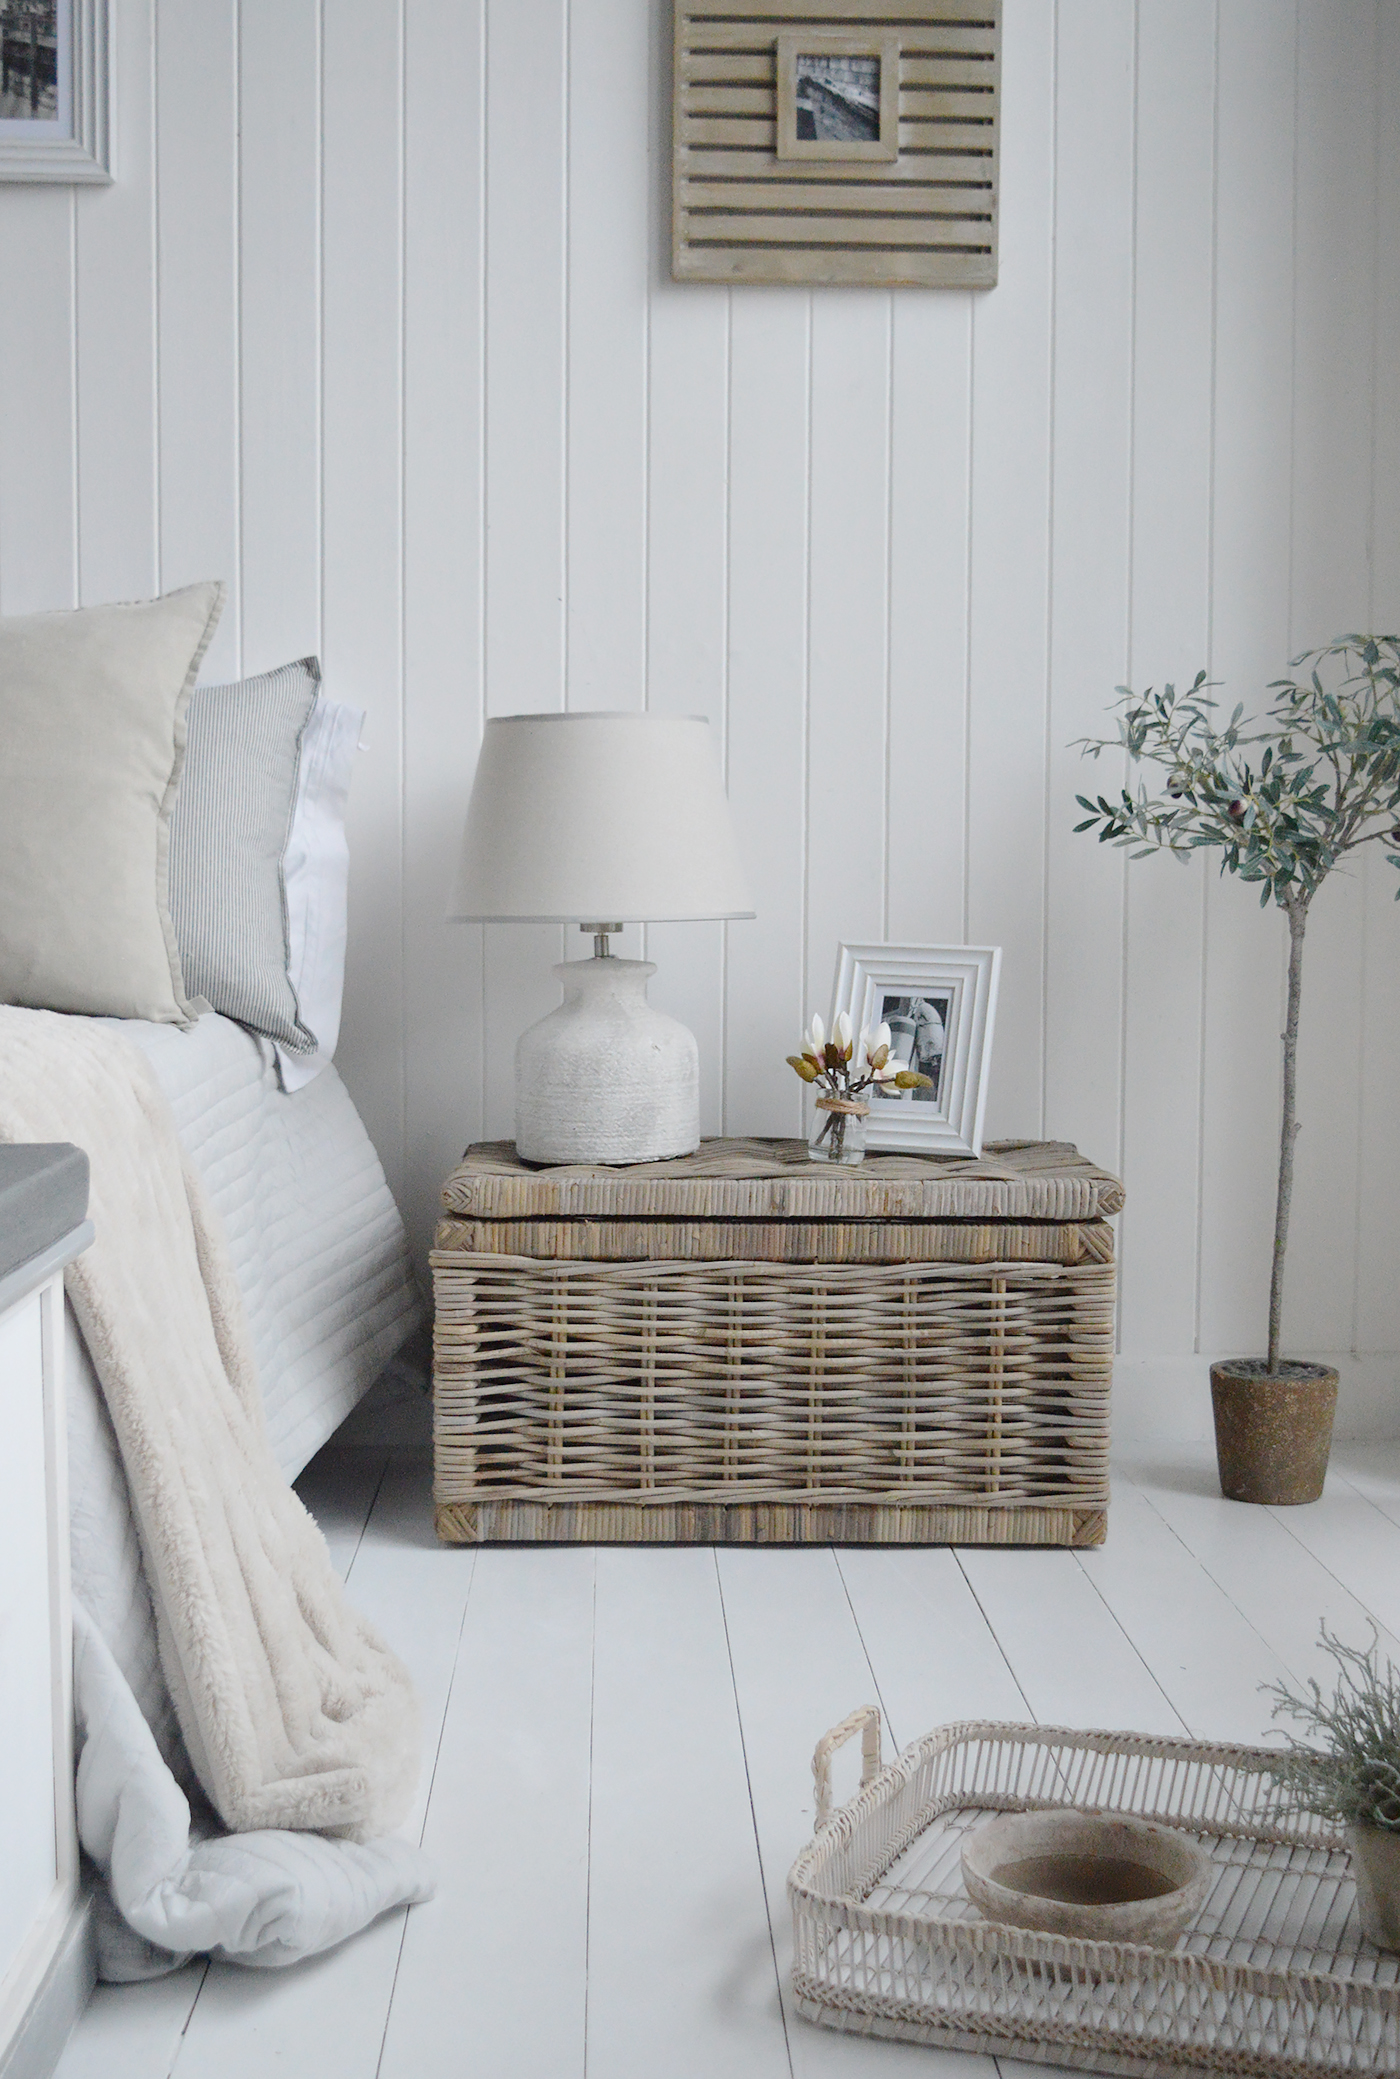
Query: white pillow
x=316, y=870
x=229, y=830
x=92, y=739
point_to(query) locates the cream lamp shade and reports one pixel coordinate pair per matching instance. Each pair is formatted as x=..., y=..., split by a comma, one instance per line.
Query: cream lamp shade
x=601, y=820
x=580, y=818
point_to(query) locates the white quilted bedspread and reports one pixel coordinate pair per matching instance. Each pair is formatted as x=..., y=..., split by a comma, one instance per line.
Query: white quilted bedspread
x=317, y=1243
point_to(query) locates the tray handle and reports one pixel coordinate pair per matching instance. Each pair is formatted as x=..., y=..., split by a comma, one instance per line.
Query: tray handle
x=866, y=1722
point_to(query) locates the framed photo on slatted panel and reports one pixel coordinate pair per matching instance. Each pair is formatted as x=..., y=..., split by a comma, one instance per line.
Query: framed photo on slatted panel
x=836, y=141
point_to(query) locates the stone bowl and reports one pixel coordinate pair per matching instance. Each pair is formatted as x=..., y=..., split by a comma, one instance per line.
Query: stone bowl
x=1095, y=1876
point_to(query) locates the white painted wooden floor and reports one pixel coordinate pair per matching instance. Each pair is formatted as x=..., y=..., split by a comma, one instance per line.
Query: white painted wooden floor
x=618, y=1763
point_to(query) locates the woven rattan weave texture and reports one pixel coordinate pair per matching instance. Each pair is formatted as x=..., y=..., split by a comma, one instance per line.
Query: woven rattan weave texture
x=744, y=1347
x=1273, y=1980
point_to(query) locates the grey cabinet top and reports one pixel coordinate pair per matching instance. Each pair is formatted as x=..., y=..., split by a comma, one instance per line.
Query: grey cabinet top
x=43, y=1200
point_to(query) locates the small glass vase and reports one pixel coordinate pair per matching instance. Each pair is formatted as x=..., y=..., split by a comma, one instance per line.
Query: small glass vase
x=837, y=1130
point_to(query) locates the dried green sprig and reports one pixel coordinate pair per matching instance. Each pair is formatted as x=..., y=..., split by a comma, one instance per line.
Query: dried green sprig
x=1357, y=1777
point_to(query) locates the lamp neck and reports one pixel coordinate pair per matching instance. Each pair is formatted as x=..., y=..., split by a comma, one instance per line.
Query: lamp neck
x=601, y=934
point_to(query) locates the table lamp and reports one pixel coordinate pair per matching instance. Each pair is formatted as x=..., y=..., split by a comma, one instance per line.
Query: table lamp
x=601, y=820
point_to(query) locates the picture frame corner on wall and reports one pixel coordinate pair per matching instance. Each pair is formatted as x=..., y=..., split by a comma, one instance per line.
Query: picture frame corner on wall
x=940, y=1003
x=837, y=94
x=55, y=91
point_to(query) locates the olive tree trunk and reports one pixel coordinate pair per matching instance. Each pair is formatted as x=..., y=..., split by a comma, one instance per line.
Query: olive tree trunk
x=1297, y=910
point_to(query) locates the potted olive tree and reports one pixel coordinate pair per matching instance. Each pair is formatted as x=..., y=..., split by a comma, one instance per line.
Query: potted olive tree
x=1355, y=1775
x=1283, y=799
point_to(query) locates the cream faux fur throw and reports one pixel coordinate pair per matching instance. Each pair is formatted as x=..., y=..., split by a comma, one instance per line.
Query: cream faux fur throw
x=294, y=1711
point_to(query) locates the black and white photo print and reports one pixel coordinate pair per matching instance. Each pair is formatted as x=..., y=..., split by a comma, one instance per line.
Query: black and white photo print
x=918, y=1038
x=29, y=61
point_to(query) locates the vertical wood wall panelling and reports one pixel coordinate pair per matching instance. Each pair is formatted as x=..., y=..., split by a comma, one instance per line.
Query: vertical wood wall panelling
x=38, y=507
x=279, y=277
x=687, y=446
x=443, y=626
x=1332, y=437
x=925, y=896
x=527, y=238
x=118, y=364
x=363, y=476
x=768, y=994
x=1171, y=626
x=607, y=214
x=1011, y=433
x=1090, y=535
x=1378, y=1196
x=403, y=344
x=197, y=79
x=848, y=622
x=1245, y=950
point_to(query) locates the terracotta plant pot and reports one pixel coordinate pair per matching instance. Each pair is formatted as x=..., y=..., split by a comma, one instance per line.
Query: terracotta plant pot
x=1273, y=1431
x=1375, y=1864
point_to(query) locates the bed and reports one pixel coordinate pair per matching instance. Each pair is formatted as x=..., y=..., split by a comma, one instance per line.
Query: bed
x=173, y=881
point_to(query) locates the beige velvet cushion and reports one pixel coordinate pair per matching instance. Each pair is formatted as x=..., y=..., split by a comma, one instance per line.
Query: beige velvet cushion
x=92, y=737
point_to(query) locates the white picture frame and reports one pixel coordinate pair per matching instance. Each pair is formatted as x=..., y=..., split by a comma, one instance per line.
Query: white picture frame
x=57, y=59
x=957, y=987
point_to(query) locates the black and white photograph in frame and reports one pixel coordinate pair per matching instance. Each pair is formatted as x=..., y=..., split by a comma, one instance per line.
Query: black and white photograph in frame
x=939, y=1003
x=55, y=119
x=837, y=94
x=837, y=97
x=918, y=1039
x=29, y=61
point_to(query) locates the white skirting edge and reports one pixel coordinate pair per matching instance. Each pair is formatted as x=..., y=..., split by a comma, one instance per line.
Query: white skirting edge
x=48, y=2021
x=1168, y=1398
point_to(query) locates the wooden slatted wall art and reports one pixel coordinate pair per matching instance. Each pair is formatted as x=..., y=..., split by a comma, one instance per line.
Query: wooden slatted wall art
x=910, y=198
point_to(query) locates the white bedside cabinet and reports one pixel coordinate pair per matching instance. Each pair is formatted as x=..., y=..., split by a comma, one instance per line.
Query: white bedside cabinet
x=45, y=1960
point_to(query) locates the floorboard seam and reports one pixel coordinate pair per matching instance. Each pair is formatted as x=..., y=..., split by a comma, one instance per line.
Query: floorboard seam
x=189, y=2017
x=385, y=1463
x=588, y=1851
x=992, y=1634
x=874, y=1678
x=1349, y=1482
x=1331, y=1571
x=1137, y=1650
x=753, y=1814
x=428, y=1800
x=1195, y=1556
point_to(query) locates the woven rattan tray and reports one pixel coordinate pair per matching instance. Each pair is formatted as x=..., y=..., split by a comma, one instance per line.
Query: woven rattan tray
x=1273, y=1978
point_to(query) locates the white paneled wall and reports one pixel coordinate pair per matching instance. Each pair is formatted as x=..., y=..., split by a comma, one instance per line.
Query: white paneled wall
x=376, y=324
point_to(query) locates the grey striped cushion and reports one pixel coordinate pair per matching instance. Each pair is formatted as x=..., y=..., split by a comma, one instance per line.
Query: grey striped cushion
x=228, y=833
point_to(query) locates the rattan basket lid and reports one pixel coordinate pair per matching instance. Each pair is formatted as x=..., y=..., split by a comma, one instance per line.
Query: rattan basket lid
x=773, y=1179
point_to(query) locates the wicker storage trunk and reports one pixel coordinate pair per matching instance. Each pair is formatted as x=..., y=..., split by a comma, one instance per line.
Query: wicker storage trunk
x=744, y=1345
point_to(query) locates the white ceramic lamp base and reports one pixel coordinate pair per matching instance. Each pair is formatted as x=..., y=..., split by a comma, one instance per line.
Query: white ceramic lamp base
x=606, y=1078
